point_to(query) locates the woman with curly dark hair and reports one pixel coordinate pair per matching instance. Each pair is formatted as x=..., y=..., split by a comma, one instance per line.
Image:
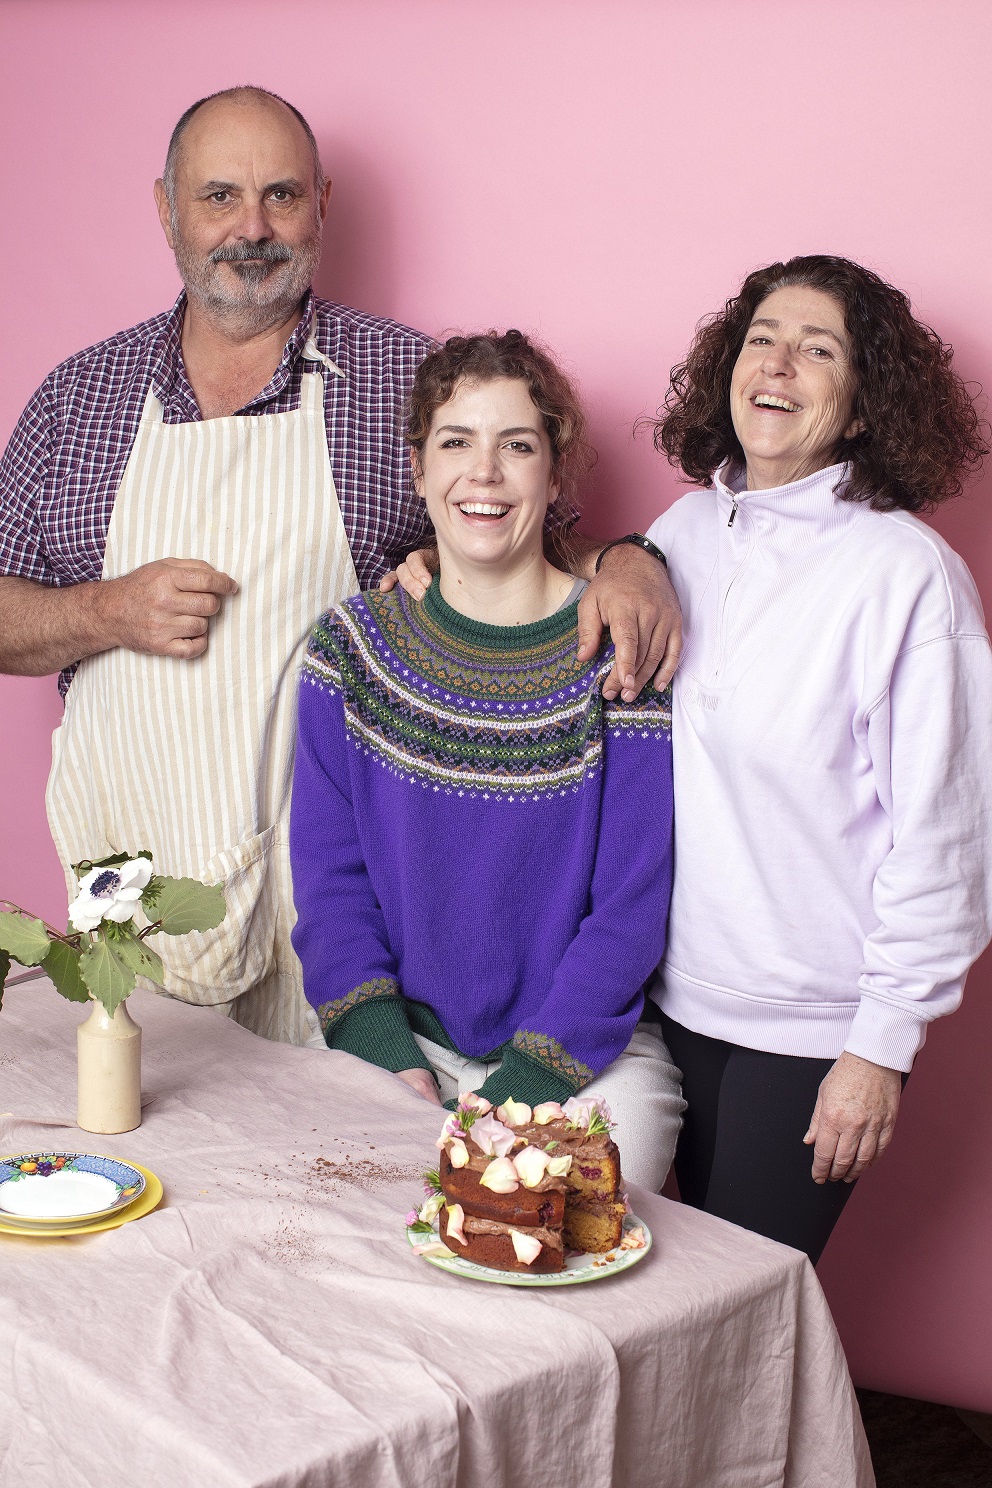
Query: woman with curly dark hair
x=832, y=724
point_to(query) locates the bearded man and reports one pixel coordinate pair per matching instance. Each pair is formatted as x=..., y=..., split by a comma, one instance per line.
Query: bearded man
x=177, y=506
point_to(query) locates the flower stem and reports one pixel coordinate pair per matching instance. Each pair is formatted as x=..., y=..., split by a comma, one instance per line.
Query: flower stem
x=50, y=931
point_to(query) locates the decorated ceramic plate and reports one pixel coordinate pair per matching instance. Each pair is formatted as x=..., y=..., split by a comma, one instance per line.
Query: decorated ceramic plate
x=26, y=1230
x=65, y=1188
x=578, y=1268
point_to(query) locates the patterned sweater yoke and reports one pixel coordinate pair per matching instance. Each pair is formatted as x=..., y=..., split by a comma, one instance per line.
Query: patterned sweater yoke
x=481, y=844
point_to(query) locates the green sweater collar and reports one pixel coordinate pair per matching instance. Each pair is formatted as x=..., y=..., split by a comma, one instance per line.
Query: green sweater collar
x=496, y=637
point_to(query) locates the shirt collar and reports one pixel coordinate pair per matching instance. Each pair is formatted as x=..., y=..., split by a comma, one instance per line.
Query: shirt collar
x=171, y=385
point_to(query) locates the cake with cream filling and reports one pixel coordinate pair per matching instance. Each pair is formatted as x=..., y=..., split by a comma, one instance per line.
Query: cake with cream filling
x=518, y=1188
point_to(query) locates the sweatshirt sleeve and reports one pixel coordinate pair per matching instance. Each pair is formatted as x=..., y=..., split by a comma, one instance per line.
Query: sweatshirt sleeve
x=349, y=971
x=595, y=997
x=930, y=739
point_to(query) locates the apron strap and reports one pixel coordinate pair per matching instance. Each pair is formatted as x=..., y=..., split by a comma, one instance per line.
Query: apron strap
x=312, y=353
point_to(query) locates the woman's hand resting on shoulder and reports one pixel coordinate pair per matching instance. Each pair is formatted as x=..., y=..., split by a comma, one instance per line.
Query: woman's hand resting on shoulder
x=854, y=1118
x=422, y=1081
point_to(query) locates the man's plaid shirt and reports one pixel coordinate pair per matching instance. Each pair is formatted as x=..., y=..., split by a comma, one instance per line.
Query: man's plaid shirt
x=67, y=455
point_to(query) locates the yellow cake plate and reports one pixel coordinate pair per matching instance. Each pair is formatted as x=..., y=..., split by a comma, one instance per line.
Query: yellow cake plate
x=151, y=1196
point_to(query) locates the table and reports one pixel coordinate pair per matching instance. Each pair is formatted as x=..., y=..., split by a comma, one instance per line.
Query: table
x=268, y=1324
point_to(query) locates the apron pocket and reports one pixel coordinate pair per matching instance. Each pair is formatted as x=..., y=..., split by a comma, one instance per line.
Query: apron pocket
x=214, y=966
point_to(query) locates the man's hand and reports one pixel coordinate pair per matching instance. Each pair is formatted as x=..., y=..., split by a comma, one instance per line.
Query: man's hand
x=422, y=1081
x=633, y=595
x=163, y=608
x=413, y=573
x=854, y=1118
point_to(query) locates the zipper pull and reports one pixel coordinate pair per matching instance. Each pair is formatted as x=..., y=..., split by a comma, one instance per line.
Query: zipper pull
x=732, y=515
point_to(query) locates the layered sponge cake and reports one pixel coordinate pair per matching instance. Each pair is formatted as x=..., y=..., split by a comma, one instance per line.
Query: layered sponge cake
x=518, y=1188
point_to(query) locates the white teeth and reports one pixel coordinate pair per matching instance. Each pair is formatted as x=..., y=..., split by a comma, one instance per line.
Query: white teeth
x=480, y=509
x=765, y=400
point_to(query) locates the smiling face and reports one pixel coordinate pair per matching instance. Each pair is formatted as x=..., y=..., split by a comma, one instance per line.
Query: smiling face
x=486, y=474
x=793, y=387
x=246, y=214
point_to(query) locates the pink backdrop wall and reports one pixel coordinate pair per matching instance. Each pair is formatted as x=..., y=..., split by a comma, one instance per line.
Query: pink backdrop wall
x=603, y=174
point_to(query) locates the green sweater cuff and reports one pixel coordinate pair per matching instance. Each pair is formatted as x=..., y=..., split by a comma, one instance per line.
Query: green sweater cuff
x=524, y=1079
x=378, y=1031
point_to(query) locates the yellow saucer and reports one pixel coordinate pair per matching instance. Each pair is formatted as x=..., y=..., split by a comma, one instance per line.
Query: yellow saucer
x=151, y=1196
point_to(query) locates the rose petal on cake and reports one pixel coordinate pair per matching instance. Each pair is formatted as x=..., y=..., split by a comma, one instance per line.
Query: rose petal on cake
x=525, y=1247
x=432, y=1208
x=500, y=1176
x=492, y=1137
x=456, y=1218
x=634, y=1239
x=530, y=1164
x=559, y=1166
x=548, y=1111
x=458, y=1154
x=514, y=1113
x=580, y=1110
x=469, y=1101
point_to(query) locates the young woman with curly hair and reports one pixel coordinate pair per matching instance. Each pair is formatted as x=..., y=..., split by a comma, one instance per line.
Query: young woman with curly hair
x=481, y=842
x=832, y=721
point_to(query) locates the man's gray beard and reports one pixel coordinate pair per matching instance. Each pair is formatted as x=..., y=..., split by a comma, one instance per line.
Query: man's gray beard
x=266, y=294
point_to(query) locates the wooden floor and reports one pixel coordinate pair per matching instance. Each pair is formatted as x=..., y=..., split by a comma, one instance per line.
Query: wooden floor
x=918, y=1445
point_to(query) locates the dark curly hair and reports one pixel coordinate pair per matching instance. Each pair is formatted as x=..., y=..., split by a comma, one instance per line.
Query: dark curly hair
x=483, y=358
x=921, y=431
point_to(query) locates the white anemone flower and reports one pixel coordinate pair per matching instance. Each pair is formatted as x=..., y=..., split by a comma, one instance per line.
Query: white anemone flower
x=110, y=894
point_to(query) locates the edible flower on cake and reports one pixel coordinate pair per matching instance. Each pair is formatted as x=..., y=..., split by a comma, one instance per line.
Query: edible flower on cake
x=492, y=1137
x=500, y=1176
x=527, y=1248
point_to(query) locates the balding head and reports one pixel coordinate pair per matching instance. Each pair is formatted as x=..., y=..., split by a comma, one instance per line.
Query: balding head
x=245, y=95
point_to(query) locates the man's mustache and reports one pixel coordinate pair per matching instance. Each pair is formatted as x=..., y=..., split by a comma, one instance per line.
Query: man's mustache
x=265, y=250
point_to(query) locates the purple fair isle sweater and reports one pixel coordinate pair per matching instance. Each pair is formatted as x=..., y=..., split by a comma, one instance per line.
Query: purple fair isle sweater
x=481, y=845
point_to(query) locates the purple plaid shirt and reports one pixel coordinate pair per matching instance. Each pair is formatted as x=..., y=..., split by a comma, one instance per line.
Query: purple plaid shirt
x=66, y=457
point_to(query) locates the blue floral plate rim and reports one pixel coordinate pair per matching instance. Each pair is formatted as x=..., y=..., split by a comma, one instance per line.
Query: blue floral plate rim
x=129, y=1181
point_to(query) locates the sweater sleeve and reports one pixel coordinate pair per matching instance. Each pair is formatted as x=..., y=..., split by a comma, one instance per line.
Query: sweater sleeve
x=595, y=997
x=929, y=742
x=349, y=971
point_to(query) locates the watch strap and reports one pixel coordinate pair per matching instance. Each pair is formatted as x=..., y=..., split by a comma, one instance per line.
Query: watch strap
x=639, y=541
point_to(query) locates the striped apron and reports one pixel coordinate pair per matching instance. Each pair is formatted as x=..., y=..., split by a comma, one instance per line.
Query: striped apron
x=193, y=759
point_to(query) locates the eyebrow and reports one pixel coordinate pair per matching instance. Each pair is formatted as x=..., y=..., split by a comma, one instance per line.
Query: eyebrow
x=289, y=184
x=808, y=330
x=464, y=429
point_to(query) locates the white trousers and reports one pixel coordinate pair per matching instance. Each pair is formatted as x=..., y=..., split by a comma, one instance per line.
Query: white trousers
x=642, y=1088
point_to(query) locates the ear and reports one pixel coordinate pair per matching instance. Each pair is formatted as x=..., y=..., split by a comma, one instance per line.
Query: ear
x=323, y=199
x=164, y=212
x=854, y=428
x=417, y=471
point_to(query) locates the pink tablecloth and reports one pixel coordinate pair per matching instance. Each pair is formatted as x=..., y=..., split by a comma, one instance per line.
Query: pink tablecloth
x=269, y=1325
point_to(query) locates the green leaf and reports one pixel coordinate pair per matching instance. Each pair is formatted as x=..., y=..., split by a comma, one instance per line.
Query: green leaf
x=81, y=869
x=62, y=965
x=420, y=1228
x=4, y=968
x=142, y=960
x=106, y=975
x=25, y=940
x=185, y=904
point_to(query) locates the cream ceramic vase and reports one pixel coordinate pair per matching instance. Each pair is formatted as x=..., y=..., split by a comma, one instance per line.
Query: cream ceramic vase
x=109, y=1052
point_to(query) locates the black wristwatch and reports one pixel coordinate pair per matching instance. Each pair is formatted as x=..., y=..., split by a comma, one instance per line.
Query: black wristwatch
x=639, y=541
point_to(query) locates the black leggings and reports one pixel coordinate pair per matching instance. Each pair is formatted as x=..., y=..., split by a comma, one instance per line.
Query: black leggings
x=740, y=1153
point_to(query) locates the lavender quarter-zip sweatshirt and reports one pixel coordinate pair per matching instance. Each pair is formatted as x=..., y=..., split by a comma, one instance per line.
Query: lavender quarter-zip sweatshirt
x=832, y=733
